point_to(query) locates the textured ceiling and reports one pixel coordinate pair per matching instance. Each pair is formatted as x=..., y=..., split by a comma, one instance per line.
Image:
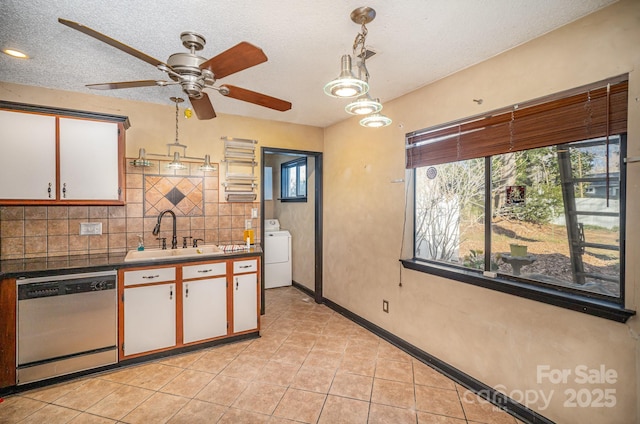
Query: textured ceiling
x=416, y=41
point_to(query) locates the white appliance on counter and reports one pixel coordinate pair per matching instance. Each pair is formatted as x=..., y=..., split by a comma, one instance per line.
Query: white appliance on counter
x=277, y=255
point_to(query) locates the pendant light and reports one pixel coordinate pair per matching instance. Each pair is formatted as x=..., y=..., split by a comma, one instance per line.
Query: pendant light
x=364, y=105
x=348, y=86
x=142, y=160
x=375, y=120
x=207, y=166
x=176, y=162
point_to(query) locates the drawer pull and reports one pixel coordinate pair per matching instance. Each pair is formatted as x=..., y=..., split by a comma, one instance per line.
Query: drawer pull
x=245, y=266
x=205, y=270
x=151, y=276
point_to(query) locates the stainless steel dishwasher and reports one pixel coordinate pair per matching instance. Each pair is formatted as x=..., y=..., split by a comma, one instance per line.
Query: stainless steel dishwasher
x=66, y=323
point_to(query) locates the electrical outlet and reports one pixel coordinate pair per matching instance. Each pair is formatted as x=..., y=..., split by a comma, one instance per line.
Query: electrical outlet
x=90, y=228
x=254, y=212
x=385, y=306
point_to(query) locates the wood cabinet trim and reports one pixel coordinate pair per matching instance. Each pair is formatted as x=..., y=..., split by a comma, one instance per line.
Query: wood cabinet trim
x=8, y=332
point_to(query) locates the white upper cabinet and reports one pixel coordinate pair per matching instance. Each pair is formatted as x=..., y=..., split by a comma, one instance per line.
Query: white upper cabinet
x=88, y=160
x=50, y=157
x=27, y=159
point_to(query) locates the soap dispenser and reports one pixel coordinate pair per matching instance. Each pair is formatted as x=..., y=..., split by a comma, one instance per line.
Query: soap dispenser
x=248, y=232
x=140, y=243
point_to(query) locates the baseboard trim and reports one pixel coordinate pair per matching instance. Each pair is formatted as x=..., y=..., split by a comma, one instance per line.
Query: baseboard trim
x=488, y=393
x=303, y=289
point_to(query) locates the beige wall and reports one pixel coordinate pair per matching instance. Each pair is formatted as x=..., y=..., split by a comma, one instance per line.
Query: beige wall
x=54, y=231
x=497, y=338
x=299, y=219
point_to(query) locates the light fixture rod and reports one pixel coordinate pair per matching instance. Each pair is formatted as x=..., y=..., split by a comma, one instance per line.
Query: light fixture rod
x=176, y=163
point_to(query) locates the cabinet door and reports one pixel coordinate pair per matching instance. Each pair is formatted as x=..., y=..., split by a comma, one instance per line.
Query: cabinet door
x=245, y=302
x=27, y=156
x=149, y=318
x=204, y=310
x=89, y=166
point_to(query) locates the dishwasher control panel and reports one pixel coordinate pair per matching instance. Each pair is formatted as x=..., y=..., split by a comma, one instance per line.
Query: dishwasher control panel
x=36, y=290
x=60, y=287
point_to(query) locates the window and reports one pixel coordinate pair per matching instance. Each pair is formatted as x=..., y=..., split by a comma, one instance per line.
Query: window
x=293, y=183
x=528, y=200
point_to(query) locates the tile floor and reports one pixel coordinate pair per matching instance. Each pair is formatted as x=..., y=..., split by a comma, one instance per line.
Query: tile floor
x=311, y=365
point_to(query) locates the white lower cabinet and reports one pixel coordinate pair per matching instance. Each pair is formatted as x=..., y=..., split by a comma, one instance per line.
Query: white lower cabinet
x=149, y=318
x=204, y=309
x=217, y=299
x=245, y=301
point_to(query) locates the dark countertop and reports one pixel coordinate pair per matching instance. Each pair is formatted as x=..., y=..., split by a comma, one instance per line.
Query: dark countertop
x=56, y=265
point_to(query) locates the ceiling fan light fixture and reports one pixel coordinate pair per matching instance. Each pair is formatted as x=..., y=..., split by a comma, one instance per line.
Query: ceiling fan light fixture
x=364, y=105
x=346, y=85
x=375, y=120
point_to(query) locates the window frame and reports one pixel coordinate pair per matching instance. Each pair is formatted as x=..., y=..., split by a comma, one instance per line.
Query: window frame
x=285, y=170
x=581, y=301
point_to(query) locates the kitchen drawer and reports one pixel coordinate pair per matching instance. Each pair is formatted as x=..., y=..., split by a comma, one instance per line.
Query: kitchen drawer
x=204, y=270
x=148, y=276
x=240, y=267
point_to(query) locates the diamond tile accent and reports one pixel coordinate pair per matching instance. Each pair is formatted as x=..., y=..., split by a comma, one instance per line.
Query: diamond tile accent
x=183, y=195
x=175, y=196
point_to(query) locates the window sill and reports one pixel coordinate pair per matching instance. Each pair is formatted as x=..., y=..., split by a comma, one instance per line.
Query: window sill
x=586, y=305
x=293, y=199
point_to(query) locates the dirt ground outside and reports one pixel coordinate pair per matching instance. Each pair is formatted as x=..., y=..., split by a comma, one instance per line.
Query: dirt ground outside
x=549, y=244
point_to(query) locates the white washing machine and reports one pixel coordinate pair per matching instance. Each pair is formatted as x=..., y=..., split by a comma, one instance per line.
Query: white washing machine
x=277, y=255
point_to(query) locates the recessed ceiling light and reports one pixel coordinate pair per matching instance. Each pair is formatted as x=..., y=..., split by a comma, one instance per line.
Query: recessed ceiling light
x=15, y=53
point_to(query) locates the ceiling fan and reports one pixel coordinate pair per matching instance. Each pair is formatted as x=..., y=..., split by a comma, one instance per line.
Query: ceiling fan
x=194, y=73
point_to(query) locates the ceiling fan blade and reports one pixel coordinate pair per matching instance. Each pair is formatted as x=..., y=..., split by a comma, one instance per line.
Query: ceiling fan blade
x=110, y=41
x=125, y=84
x=239, y=57
x=203, y=107
x=256, y=98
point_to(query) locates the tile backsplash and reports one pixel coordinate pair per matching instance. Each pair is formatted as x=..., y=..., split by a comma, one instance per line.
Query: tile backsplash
x=193, y=195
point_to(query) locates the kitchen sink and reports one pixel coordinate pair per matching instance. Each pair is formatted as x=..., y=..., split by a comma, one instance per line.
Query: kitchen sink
x=159, y=254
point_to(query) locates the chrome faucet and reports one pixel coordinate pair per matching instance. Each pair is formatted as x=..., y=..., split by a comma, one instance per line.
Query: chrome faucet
x=156, y=229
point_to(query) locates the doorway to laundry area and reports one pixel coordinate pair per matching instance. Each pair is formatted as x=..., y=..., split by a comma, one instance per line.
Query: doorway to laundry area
x=298, y=211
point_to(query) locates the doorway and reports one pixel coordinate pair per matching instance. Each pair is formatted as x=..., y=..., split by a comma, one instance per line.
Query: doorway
x=302, y=219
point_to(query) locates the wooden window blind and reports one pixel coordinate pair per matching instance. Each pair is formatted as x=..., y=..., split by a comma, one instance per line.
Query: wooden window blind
x=595, y=110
